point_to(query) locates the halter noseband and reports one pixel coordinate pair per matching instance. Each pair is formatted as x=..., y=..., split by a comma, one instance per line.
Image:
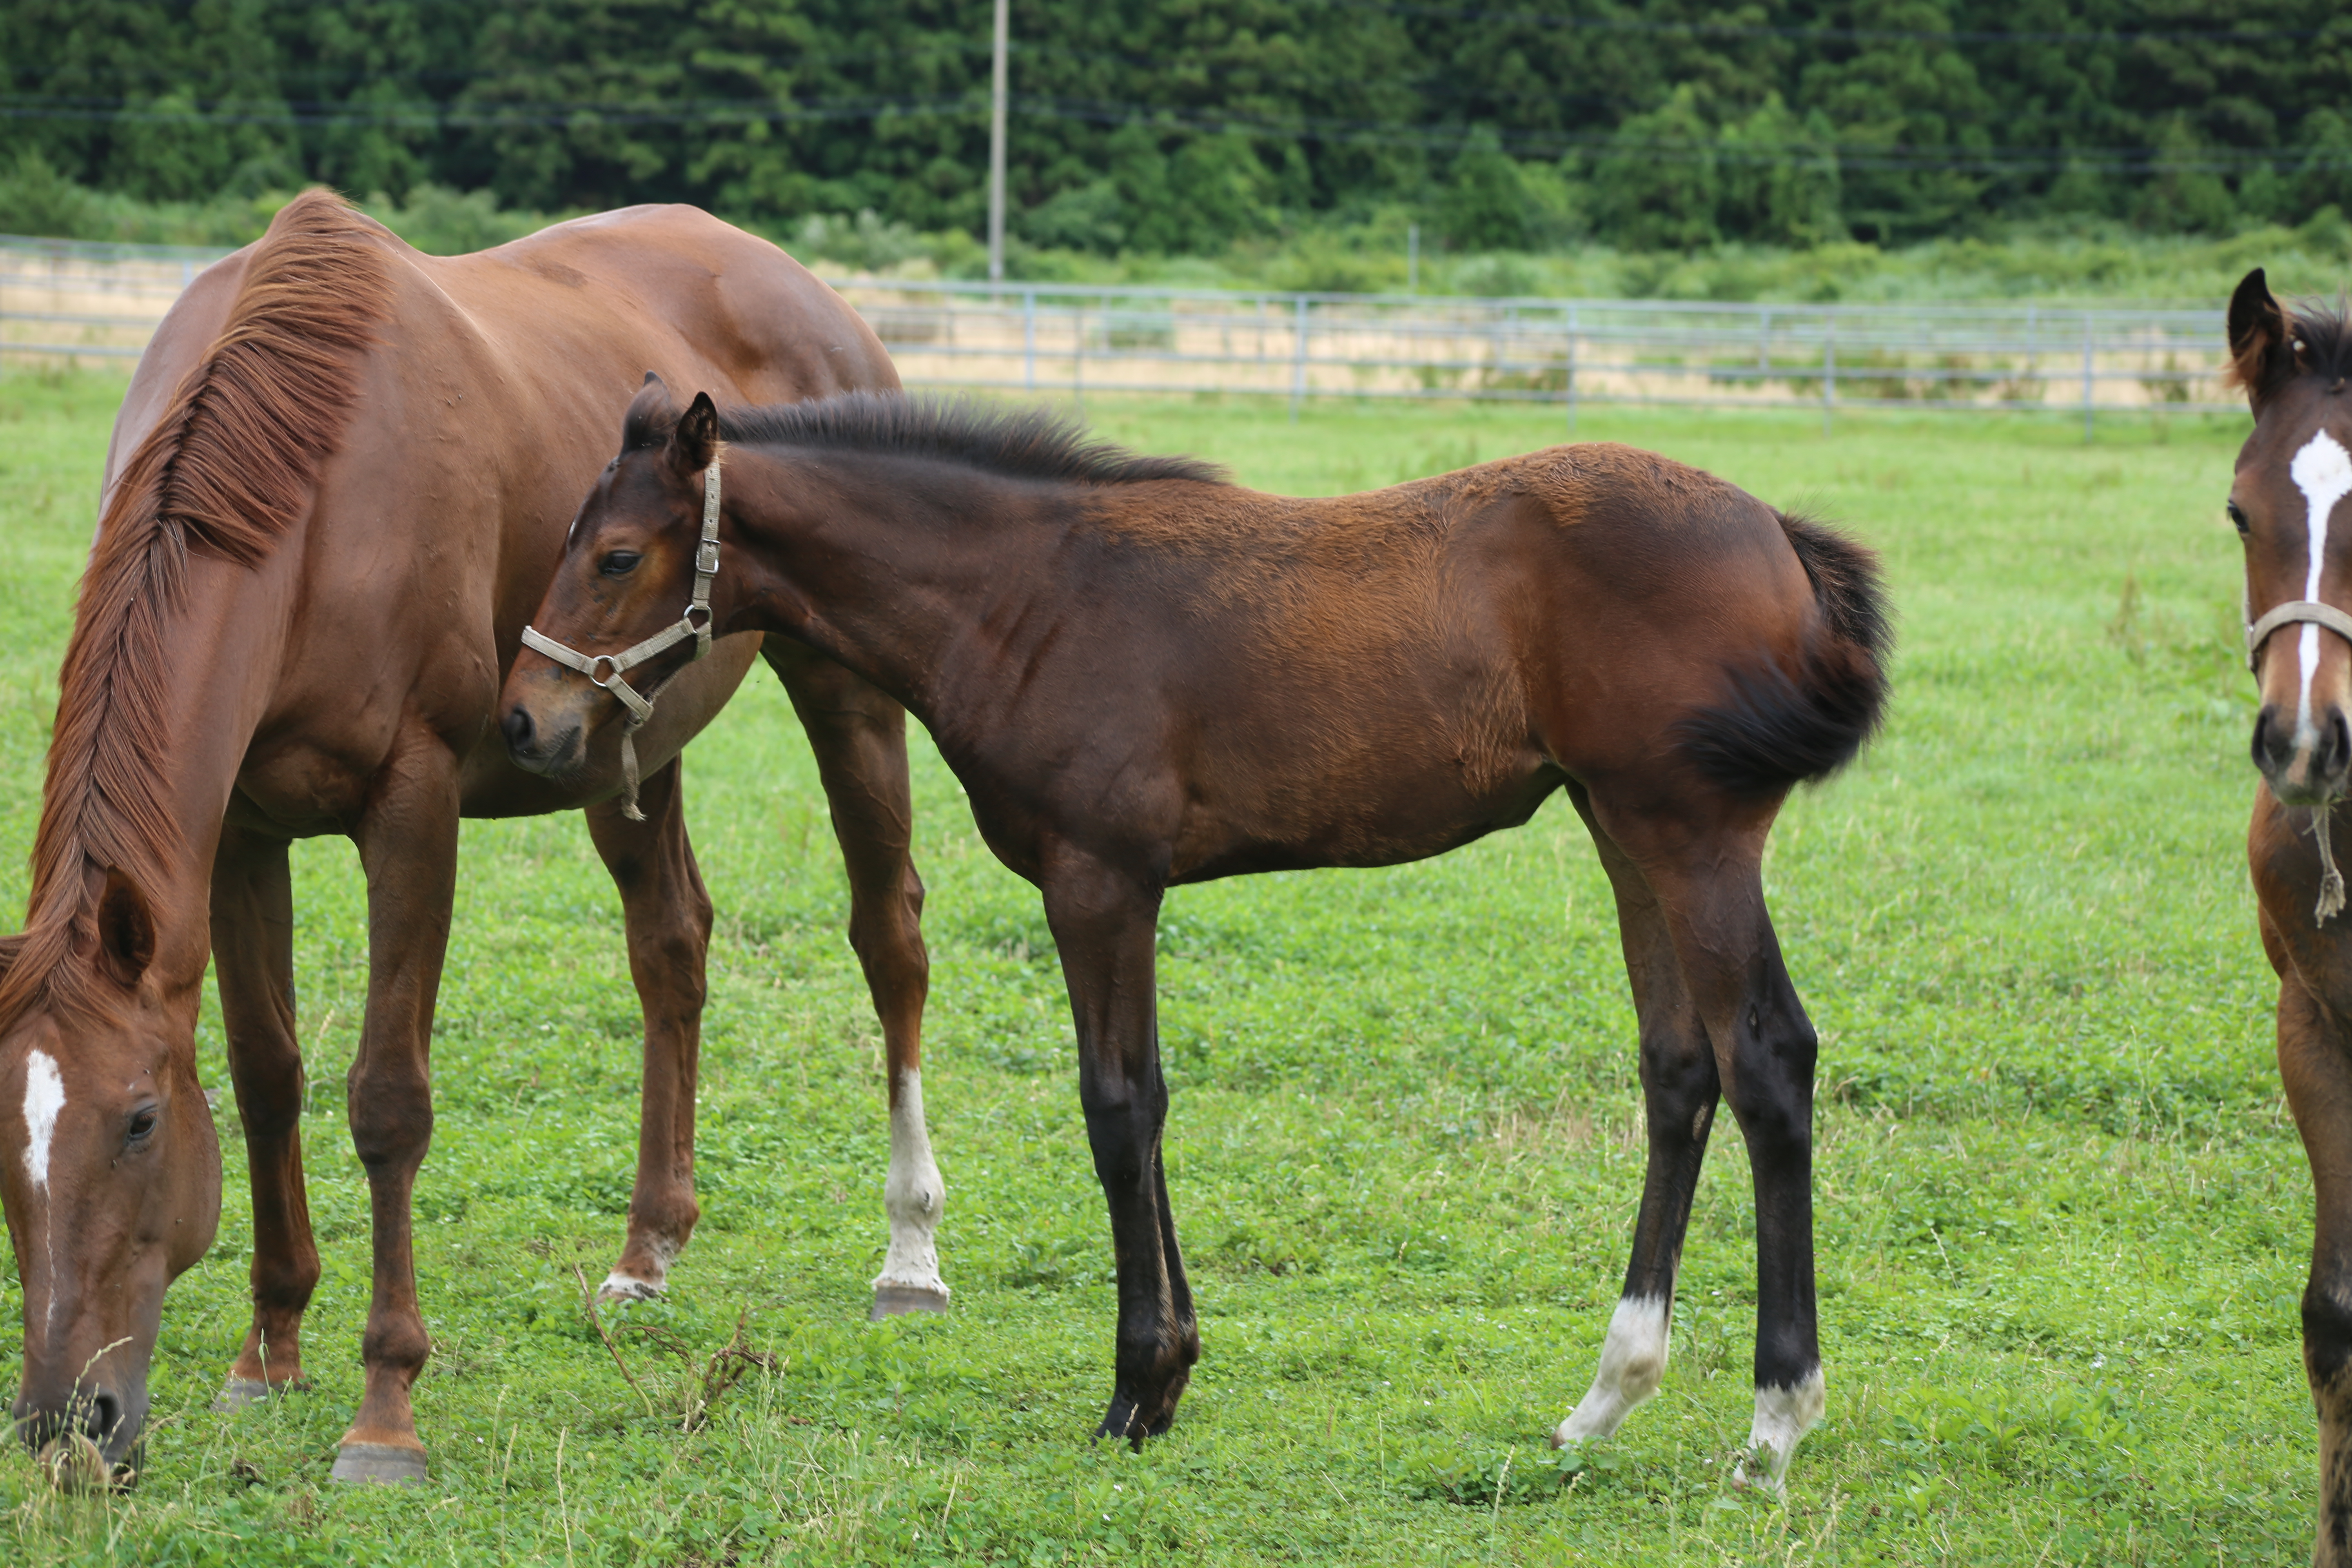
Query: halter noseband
x=694, y=623
x=2293, y=611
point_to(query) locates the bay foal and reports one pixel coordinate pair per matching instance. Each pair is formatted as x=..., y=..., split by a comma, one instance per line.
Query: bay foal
x=2292, y=475
x=1145, y=675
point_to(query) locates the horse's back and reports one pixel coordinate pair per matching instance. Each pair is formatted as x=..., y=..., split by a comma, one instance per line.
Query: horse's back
x=766, y=326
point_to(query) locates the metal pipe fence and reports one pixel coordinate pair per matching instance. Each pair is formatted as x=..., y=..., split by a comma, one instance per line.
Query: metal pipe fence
x=63, y=300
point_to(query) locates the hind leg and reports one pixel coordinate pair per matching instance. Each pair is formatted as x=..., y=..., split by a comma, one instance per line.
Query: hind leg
x=1705, y=870
x=666, y=915
x=859, y=737
x=1679, y=1089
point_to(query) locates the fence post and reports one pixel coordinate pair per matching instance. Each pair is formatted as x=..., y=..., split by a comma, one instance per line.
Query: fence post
x=1828, y=368
x=1078, y=357
x=1029, y=340
x=1571, y=388
x=1299, y=364
x=2086, y=378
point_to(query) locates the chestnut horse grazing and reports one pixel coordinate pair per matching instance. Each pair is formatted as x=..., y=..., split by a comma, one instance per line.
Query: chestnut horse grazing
x=1144, y=675
x=339, y=483
x=2292, y=475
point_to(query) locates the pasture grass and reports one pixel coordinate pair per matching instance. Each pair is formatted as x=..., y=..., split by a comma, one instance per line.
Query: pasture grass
x=2064, y=1220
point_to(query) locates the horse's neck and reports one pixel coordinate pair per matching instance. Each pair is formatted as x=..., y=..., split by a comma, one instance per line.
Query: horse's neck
x=148, y=778
x=888, y=581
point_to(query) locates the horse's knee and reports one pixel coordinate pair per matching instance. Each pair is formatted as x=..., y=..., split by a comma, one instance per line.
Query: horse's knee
x=2327, y=1346
x=391, y=1115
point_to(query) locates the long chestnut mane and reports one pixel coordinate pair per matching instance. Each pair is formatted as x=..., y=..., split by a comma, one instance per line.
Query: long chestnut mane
x=230, y=467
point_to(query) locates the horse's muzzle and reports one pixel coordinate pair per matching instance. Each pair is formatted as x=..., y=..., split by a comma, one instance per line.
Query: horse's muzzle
x=89, y=1441
x=532, y=750
x=2306, y=764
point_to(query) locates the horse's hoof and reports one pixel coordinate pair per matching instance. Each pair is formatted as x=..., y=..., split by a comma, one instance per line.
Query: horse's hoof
x=896, y=1300
x=380, y=1464
x=239, y=1392
x=624, y=1287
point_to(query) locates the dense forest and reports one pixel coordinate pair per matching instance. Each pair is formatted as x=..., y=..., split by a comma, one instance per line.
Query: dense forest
x=1176, y=126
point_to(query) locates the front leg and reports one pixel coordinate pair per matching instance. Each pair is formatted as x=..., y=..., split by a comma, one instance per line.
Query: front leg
x=408, y=848
x=1105, y=926
x=666, y=914
x=2317, y=1072
x=253, y=964
x=859, y=737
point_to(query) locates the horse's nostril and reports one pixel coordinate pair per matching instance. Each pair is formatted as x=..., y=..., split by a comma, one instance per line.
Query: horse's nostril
x=517, y=728
x=105, y=1410
x=2336, y=748
x=2266, y=748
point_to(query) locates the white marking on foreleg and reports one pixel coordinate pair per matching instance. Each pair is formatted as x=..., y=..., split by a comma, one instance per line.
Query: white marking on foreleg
x=623, y=1287
x=1783, y=1417
x=2322, y=471
x=1633, y=1360
x=913, y=1196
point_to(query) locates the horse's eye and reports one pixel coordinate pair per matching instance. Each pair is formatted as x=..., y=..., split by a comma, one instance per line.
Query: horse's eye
x=2238, y=516
x=142, y=1123
x=619, y=564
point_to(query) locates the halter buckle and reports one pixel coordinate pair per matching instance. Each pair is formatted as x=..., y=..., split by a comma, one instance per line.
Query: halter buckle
x=705, y=559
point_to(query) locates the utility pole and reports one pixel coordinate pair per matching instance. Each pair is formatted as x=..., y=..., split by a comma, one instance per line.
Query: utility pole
x=996, y=149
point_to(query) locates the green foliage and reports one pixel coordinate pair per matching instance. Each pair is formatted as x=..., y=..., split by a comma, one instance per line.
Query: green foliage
x=2063, y=1216
x=1142, y=129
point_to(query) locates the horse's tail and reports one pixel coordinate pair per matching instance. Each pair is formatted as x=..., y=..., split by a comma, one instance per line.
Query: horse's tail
x=1785, y=727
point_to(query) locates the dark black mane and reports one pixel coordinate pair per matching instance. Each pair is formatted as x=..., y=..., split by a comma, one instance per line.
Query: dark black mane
x=2324, y=341
x=1017, y=442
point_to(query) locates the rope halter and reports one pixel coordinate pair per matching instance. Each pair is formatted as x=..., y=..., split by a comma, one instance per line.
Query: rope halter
x=608, y=670
x=2311, y=612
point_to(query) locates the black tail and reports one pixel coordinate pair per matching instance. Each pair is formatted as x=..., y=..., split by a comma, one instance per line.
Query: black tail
x=1783, y=728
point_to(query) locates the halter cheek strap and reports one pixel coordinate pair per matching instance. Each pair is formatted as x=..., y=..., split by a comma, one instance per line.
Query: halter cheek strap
x=608, y=670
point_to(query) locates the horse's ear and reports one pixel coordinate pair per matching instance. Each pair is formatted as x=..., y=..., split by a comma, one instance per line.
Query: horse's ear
x=2257, y=334
x=126, y=930
x=650, y=415
x=696, y=440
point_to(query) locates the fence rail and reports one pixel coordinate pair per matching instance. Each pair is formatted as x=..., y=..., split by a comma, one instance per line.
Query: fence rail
x=64, y=300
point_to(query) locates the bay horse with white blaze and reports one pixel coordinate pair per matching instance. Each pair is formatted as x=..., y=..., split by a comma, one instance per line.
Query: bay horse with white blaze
x=2292, y=475
x=338, y=482
x=1145, y=675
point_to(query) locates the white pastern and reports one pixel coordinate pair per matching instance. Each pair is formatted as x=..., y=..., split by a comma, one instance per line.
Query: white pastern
x=623, y=1287
x=2322, y=471
x=1633, y=1359
x=1783, y=1417
x=44, y=1096
x=913, y=1195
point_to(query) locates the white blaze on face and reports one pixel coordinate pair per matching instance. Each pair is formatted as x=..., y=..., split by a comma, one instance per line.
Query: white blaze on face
x=1633, y=1360
x=913, y=1196
x=2322, y=471
x=44, y=1096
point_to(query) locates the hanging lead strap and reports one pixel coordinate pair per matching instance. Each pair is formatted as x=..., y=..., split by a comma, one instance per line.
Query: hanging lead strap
x=607, y=669
x=2331, y=880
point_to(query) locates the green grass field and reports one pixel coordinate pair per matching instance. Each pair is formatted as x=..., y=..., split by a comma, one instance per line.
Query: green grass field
x=2064, y=1220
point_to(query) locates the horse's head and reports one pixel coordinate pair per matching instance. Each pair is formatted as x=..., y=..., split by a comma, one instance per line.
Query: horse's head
x=628, y=568
x=2292, y=473
x=109, y=1173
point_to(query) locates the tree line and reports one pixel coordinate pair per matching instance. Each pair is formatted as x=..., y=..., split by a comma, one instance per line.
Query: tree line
x=1178, y=126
